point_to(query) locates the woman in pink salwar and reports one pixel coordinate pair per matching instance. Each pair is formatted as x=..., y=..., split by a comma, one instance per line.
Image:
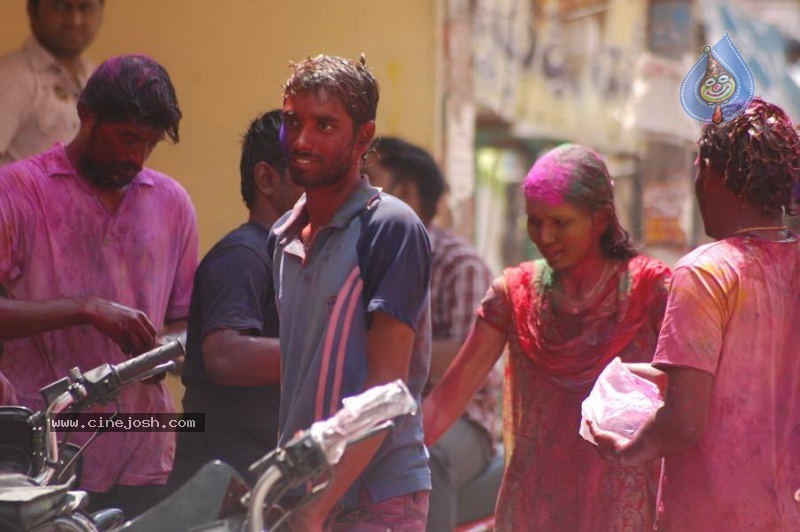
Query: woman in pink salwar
x=563, y=319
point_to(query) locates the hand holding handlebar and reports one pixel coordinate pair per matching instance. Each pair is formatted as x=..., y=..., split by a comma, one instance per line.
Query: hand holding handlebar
x=130, y=328
x=98, y=385
x=101, y=384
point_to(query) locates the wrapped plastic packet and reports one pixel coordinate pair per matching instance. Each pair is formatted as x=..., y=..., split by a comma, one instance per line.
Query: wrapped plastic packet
x=360, y=414
x=620, y=402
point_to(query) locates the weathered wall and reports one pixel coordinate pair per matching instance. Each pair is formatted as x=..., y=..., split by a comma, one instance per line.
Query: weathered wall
x=229, y=59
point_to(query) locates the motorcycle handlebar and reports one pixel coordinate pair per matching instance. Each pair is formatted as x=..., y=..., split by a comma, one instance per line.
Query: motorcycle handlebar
x=99, y=384
x=133, y=369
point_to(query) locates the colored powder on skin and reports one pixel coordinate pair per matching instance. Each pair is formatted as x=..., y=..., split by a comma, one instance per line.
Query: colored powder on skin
x=558, y=175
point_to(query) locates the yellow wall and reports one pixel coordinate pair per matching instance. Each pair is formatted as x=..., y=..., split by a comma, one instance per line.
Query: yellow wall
x=229, y=58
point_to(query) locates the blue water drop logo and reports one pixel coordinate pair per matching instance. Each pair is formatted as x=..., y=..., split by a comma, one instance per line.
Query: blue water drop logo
x=719, y=86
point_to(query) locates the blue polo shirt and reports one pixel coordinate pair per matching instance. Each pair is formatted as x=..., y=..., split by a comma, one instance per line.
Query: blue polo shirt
x=374, y=255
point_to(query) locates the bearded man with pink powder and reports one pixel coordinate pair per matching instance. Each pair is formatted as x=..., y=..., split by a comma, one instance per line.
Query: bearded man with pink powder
x=729, y=430
x=97, y=256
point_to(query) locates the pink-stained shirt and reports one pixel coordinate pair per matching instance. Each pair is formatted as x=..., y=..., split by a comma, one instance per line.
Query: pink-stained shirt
x=734, y=312
x=38, y=101
x=57, y=239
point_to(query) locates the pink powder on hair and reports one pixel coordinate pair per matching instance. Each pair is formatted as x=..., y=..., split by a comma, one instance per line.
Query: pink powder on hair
x=553, y=174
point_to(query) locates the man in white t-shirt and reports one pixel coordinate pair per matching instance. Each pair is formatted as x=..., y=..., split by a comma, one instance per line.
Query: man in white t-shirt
x=41, y=82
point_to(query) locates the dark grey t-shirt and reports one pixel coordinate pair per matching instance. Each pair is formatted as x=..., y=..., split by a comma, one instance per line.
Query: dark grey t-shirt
x=232, y=290
x=374, y=255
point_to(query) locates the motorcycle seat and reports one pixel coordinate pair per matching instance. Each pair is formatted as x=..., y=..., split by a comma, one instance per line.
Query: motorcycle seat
x=211, y=494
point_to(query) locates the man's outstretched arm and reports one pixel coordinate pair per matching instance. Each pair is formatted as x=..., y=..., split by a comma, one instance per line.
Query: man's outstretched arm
x=675, y=427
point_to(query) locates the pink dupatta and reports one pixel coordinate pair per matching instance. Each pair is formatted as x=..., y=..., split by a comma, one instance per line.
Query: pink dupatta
x=625, y=304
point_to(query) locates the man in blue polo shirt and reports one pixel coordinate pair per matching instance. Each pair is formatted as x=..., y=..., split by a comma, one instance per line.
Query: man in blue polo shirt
x=351, y=270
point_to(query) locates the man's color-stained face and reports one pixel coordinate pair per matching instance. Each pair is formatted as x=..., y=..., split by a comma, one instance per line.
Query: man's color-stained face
x=319, y=138
x=564, y=234
x=66, y=27
x=116, y=152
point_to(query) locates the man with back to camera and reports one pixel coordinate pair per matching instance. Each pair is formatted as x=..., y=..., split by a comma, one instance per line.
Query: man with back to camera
x=729, y=429
x=40, y=83
x=97, y=253
x=232, y=368
x=351, y=269
x=459, y=280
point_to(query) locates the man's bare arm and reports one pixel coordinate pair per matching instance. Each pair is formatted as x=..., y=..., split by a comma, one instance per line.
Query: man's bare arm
x=131, y=329
x=648, y=372
x=235, y=358
x=675, y=427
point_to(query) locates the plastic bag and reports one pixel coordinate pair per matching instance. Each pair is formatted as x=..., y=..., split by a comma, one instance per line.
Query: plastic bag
x=620, y=402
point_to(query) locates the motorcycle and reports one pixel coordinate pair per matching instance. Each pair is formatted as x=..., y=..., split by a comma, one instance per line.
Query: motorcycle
x=37, y=472
x=217, y=499
x=36, y=481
